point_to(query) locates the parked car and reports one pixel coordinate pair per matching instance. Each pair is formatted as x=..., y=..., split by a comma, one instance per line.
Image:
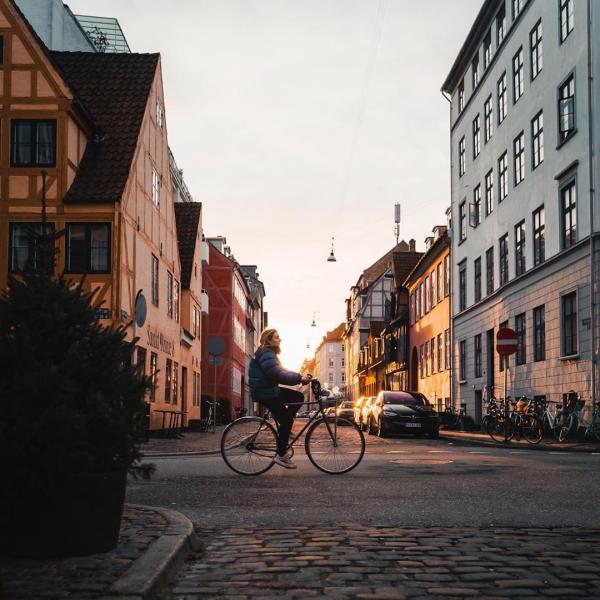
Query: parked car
x=365, y=412
x=346, y=410
x=330, y=412
x=403, y=412
x=358, y=404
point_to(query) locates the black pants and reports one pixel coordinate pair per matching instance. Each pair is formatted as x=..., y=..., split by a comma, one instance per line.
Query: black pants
x=284, y=409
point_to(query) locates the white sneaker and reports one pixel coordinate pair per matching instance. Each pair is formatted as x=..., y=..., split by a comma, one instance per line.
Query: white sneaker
x=284, y=461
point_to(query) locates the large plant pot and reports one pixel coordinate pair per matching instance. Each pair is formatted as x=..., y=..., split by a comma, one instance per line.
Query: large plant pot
x=82, y=517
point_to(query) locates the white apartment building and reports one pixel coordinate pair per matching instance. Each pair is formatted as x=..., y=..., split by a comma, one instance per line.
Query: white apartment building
x=524, y=126
x=330, y=360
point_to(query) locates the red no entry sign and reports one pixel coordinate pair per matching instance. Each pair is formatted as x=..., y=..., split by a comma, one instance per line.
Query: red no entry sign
x=506, y=341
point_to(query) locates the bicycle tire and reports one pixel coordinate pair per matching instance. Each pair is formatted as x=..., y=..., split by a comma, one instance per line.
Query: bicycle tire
x=564, y=424
x=338, y=458
x=532, y=429
x=496, y=427
x=246, y=449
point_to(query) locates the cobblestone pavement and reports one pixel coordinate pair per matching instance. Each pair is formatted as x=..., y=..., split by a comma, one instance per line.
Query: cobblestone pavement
x=190, y=441
x=85, y=577
x=352, y=562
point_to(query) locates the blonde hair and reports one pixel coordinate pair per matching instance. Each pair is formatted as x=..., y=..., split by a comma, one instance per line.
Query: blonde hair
x=266, y=340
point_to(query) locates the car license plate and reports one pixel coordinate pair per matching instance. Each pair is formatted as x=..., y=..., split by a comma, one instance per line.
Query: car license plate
x=413, y=424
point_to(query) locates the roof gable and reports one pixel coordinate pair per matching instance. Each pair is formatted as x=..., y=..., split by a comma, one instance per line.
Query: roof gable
x=187, y=216
x=114, y=88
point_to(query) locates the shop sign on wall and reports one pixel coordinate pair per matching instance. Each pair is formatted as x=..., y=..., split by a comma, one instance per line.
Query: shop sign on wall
x=158, y=341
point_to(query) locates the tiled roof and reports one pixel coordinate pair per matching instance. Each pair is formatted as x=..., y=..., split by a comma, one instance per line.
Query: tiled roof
x=403, y=264
x=336, y=334
x=187, y=216
x=426, y=259
x=114, y=89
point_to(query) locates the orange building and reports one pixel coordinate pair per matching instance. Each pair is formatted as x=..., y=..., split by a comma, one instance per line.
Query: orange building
x=92, y=127
x=428, y=286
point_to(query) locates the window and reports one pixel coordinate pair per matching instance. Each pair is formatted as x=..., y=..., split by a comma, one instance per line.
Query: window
x=155, y=187
x=439, y=282
x=462, y=358
x=539, y=243
x=330, y=377
x=569, y=324
x=141, y=359
x=168, y=380
x=170, y=294
x=518, y=88
x=175, y=381
x=88, y=248
x=519, y=155
x=566, y=109
x=462, y=222
x=537, y=139
x=539, y=333
x=503, y=258
x=500, y=25
x=447, y=275
x=476, y=136
x=422, y=361
x=331, y=362
x=439, y=353
x=521, y=355
x=535, y=50
x=462, y=285
x=447, y=349
x=461, y=96
x=475, y=71
x=520, y=263
x=477, y=355
x=427, y=295
x=1, y=49
x=432, y=355
x=26, y=248
x=153, y=375
x=568, y=201
x=489, y=192
x=502, y=99
x=477, y=278
x=566, y=19
x=502, y=177
x=487, y=49
x=159, y=114
x=176, y=299
x=488, y=116
x=461, y=157
x=517, y=7
x=33, y=143
x=195, y=321
x=475, y=208
x=489, y=271
x=154, y=280
x=432, y=289
x=426, y=358
x=503, y=362
x=343, y=362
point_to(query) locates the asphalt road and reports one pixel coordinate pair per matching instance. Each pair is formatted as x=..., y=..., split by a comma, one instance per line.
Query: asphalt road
x=400, y=482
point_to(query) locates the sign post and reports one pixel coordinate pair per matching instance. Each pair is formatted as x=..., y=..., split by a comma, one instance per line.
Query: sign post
x=506, y=344
x=215, y=346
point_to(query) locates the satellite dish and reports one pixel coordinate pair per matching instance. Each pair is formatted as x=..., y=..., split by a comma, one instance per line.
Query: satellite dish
x=141, y=309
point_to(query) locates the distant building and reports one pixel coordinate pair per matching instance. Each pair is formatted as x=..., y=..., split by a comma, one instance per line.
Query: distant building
x=524, y=136
x=105, y=33
x=330, y=360
x=428, y=286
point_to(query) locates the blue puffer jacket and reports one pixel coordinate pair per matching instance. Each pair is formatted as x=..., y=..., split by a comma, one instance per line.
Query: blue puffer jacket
x=265, y=373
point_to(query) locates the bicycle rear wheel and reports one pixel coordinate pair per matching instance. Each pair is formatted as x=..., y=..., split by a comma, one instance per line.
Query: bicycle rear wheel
x=248, y=445
x=334, y=445
x=564, y=424
x=500, y=429
x=532, y=429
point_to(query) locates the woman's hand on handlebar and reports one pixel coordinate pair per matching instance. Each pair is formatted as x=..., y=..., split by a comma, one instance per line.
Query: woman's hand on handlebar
x=306, y=379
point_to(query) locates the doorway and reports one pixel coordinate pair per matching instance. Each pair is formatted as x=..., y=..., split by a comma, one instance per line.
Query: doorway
x=478, y=407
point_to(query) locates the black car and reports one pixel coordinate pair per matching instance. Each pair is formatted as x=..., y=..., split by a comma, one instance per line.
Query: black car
x=403, y=412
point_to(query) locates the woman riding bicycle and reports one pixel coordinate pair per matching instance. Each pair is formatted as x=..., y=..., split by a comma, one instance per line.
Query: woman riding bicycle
x=265, y=374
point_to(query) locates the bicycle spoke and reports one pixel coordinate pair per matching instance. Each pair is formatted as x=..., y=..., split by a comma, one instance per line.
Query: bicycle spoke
x=248, y=446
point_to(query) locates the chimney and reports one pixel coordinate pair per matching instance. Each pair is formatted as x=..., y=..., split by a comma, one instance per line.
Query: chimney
x=411, y=245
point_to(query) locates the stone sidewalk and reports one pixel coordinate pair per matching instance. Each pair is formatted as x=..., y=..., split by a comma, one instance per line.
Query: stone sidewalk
x=153, y=543
x=351, y=562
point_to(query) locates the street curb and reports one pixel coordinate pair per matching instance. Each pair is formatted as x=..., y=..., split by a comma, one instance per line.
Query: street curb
x=150, y=573
x=190, y=453
x=464, y=441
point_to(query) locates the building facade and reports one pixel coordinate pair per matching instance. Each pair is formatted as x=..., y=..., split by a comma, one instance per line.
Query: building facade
x=429, y=307
x=100, y=162
x=330, y=360
x=524, y=213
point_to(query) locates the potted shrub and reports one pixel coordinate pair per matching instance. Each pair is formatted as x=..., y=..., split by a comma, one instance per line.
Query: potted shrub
x=72, y=413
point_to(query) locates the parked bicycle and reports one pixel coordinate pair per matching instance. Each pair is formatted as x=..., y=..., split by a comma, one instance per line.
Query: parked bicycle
x=569, y=418
x=333, y=444
x=543, y=410
x=520, y=424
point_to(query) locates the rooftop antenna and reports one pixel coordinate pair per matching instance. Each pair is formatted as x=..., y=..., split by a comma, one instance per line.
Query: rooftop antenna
x=331, y=257
x=397, y=221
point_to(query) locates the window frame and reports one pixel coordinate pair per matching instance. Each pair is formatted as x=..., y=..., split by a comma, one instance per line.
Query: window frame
x=88, y=256
x=477, y=355
x=32, y=142
x=503, y=259
x=489, y=192
x=462, y=156
x=537, y=140
x=565, y=135
x=476, y=136
x=536, y=50
x=572, y=350
x=520, y=249
x=521, y=331
x=33, y=245
x=519, y=159
x=462, y=358
x=569, y=241
x=477, y=279
x=539, y=333
x=462, y=285
x=502, y=98
x=488, y=119
x=563, y=8
x=518, y=69
x=500, y=21
x=489, y=271
x=503, y=177
x=462, y=221
x=155, y=278
x=539, y=235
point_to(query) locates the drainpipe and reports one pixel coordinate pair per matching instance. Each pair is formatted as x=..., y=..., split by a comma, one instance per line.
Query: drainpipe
x=451, y=262
x=592, y=162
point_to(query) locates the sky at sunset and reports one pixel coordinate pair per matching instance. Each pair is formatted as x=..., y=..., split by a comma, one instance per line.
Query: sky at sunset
x=298, y=120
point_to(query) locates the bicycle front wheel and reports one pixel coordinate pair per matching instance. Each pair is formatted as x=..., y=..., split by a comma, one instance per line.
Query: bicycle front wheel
x=564, y=425
x=500, y=429
x=249, y=445
x=532, y=429
x=334, y=445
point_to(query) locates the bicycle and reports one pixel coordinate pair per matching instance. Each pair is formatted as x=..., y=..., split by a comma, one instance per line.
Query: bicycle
x=333, y=444
x=209, y=422
x=521, y=422
x=569, y=418
x=542, y=410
